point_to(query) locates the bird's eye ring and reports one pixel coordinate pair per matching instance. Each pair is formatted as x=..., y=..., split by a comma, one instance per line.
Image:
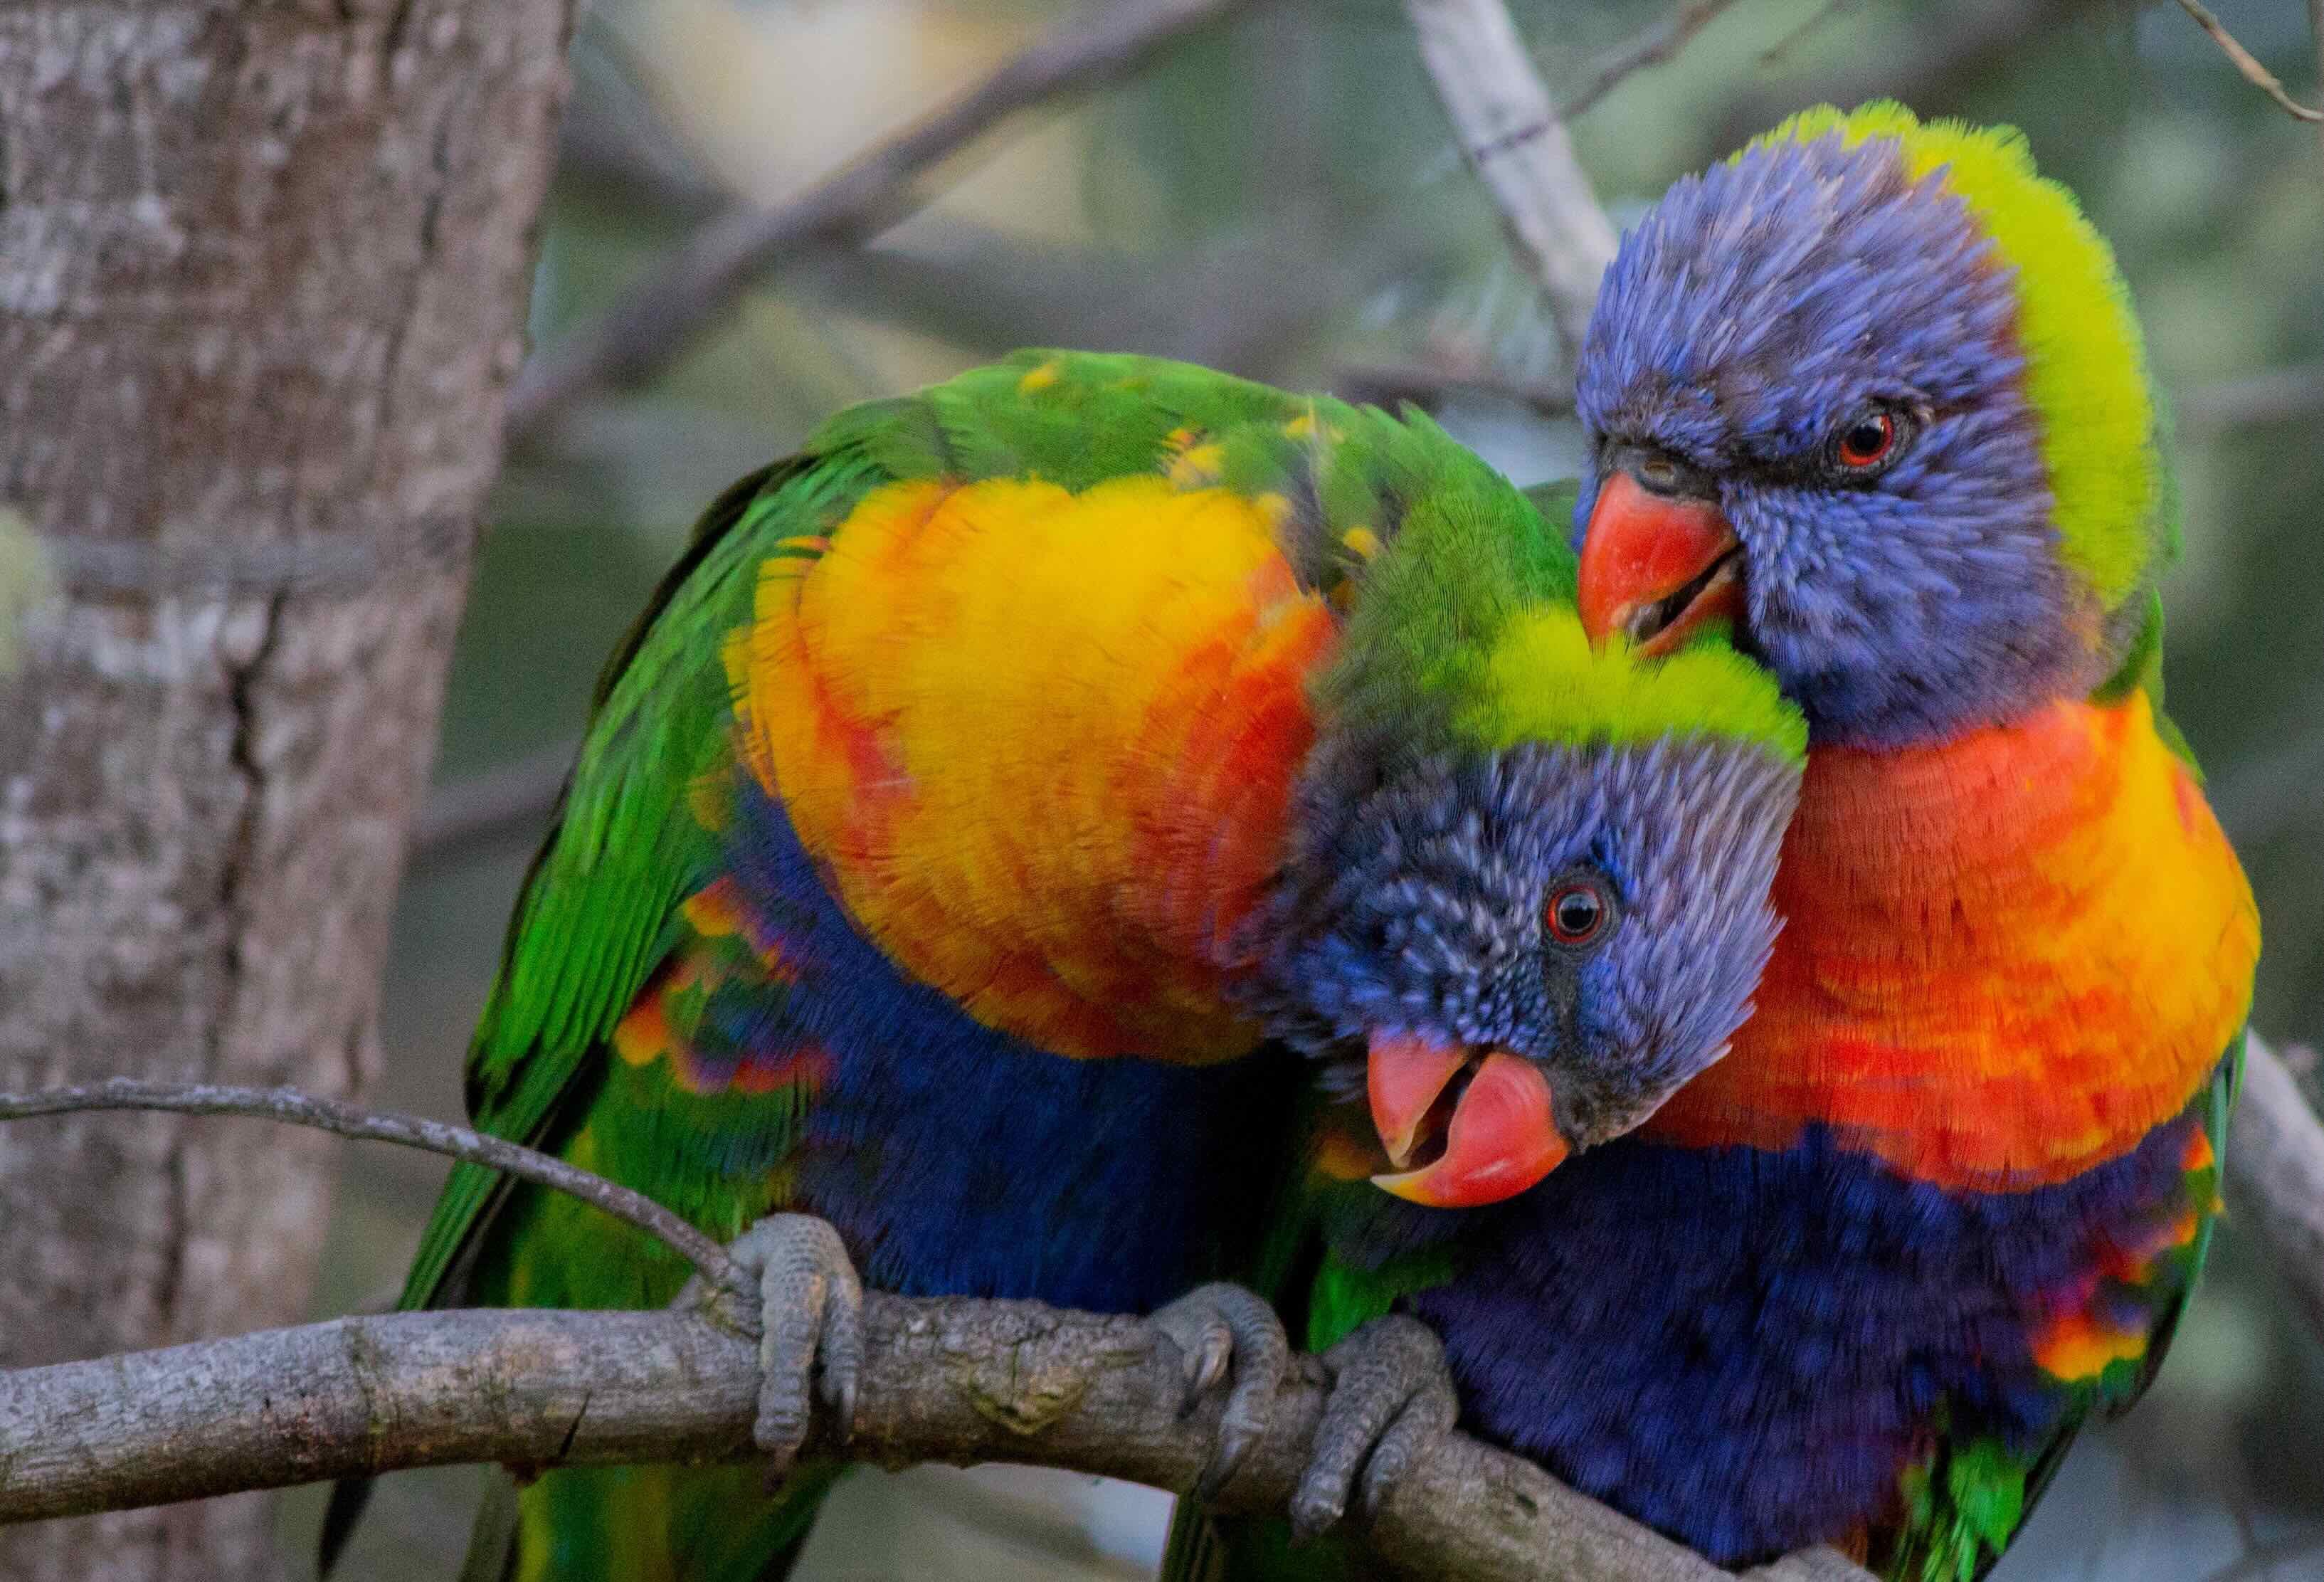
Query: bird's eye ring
x=1575, y=912
x=1871, y=440
x=1868, y=440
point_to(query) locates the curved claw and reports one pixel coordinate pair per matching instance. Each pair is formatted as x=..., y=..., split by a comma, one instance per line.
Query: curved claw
x=811, y=1331
x=1225, y=1332
x=1391, y=1398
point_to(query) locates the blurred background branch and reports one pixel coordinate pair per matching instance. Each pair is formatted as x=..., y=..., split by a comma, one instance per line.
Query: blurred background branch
x=1517, y=144
x=1656, y=45
x=2277, y=1171
x=2246, y=62
x=683, y=295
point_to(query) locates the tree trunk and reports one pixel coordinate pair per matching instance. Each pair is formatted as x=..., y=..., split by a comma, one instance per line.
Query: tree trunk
x=262, y=267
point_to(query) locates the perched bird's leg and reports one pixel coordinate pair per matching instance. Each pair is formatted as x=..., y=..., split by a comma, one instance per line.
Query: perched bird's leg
x=1391, y=1398
x=809, y=1312
x=1226, y=1332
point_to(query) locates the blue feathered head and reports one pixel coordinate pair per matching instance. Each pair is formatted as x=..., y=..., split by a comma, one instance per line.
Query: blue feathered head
x=1874, y=387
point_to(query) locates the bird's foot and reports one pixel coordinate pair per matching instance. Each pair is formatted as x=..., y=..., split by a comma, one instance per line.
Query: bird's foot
x=1226, y=1333
x=1391, y=1398
x=810, y=1312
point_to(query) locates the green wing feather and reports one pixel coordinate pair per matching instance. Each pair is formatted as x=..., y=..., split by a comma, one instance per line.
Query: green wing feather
x=594, y=915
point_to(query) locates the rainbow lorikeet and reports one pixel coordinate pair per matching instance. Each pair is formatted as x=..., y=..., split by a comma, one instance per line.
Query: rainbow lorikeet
x=985, y=784
x=1874, y=390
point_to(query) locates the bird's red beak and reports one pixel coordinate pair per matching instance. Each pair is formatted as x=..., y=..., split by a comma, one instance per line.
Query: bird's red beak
x=1657, y=569
x=1500, y=1132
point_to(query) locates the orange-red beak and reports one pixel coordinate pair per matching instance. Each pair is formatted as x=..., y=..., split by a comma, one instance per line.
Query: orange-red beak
x=1657, y=569
x=1501, y=1135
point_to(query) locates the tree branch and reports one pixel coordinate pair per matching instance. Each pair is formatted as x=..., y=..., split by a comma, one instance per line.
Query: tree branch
x=958, y=1380
x=2244, y=61
x=1514, y=140
x=680, y=296
x=2275, y=1166
x=954, y=1380
x=1955, y=48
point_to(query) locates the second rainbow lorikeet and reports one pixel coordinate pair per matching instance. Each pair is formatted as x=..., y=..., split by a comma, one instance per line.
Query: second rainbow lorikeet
x=1963, y=1164
x=1873, y=390
x=990, y=796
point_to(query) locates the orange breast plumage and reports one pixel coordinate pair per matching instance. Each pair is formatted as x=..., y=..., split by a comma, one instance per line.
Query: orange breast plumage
x=2007, y=958
x=1042, y=743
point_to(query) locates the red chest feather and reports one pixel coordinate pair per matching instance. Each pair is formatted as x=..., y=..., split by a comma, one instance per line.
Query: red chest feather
x=2006, y=959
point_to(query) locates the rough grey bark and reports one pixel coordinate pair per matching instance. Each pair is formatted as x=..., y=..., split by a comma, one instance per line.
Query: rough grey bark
x=261, y=271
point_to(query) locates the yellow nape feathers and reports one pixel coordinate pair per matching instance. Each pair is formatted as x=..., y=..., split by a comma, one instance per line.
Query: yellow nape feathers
x=2086, y=360
x=1544, y=682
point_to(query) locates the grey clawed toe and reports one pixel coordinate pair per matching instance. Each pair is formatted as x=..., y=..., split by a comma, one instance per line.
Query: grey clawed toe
x=1231, y=1335
x=811, y=1331
x=1391, y=1399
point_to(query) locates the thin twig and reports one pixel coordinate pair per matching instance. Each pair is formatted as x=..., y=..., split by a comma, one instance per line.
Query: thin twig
x=293, y=1108
x=2316, y=39
x=680, y=296
x=1953, y=48
x=515, y=799
x=1774, y=53
x=1518, y=144
x=1655, y=44
x=2280, y=396
x=2257, y=75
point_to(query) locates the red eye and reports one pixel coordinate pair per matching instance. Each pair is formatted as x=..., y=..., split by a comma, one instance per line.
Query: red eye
x=1575, y=913
x=1868, y=440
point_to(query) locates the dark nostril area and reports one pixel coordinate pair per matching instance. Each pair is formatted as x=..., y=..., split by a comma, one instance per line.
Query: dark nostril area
x=1660, y=472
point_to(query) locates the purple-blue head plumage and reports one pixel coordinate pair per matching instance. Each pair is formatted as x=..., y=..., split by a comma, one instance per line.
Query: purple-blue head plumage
x=1832, y=382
